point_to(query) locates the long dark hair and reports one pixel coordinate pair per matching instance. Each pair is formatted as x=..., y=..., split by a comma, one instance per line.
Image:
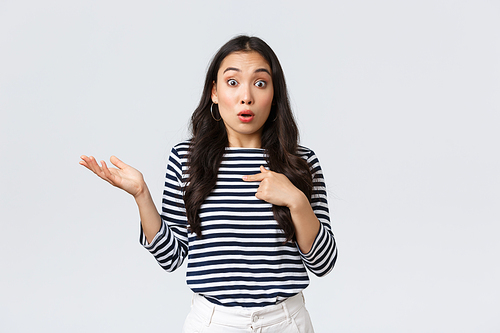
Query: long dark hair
x=209, y=139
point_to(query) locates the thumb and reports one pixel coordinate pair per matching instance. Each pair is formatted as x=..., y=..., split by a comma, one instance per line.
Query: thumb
x=263, y=170
x=117, y=162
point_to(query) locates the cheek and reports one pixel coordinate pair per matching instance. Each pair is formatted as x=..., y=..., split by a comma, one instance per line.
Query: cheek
x=225, y=94
x=267, y=100
x=227, y=98
x=226, y=101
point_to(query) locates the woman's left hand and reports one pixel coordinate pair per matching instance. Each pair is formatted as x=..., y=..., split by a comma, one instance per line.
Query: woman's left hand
x=275, y=188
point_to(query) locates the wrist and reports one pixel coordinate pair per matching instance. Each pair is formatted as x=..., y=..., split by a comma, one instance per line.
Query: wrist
x=142, y=193
x=298, y=201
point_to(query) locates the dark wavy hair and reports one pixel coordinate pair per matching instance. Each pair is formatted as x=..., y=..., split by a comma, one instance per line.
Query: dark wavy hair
x=209, y=139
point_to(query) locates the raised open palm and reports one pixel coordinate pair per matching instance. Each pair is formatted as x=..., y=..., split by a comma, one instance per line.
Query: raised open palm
x=123, y=176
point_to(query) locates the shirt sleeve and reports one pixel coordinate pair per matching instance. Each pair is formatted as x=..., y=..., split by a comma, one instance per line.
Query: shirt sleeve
x=170, y=244
x=323, y=254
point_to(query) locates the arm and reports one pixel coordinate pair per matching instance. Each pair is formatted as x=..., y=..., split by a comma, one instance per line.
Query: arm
x=323, y=254
x=314, y=237
x=150, y=219
x=275, y=188
x=164, y=236
x=169, y=245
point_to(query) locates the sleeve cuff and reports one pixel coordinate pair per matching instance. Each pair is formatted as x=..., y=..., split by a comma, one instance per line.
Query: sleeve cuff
x=314, y=248
x=161, y=233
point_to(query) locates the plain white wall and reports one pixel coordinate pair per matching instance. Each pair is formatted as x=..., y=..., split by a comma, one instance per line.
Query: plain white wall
x=399, y=99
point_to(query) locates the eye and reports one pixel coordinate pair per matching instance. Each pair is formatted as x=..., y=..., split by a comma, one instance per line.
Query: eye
x=232, y=82
x=260, y=84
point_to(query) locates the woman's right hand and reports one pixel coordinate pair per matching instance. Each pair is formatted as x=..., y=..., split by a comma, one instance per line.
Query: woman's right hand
x=123, y=176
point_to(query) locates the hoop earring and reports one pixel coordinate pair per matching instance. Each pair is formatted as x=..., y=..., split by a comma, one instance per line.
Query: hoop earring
x=212, y=113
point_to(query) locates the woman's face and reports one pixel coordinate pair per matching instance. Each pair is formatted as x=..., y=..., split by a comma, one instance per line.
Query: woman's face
x=244, y=93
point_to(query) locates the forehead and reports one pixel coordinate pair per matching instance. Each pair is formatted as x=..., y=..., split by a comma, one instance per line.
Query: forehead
x=244, y=61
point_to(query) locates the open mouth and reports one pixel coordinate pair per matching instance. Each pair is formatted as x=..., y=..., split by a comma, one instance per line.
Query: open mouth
x=246, y=116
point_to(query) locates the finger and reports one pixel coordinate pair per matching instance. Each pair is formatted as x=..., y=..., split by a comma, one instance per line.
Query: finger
x=262, y=194
x=91, y=163
x=106, y=173
x=97, y=167
x=83, y=162
x=117, y=162
x=259, y=196
x=254, y=178
x=100, y=170
x=259, y=176
x=86, y=160
x=111, y=175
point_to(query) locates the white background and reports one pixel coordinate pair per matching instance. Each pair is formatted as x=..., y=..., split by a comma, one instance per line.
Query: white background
x=399, y=99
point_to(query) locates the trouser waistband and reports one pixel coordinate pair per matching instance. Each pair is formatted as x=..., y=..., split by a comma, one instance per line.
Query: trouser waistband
x=243, y=317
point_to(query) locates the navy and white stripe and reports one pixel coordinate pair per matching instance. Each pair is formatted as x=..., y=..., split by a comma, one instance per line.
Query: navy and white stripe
x=242, y=259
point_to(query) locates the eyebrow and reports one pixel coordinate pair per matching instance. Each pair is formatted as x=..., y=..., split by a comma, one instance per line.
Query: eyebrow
x=239, y=70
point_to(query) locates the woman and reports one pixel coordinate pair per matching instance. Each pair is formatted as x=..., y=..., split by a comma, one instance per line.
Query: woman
x=242, y=198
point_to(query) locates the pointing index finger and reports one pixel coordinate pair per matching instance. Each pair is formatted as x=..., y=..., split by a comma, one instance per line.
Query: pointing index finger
x=258, y=176
x=254, y=178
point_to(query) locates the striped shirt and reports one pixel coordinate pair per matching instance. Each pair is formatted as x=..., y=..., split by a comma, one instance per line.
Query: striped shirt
x=242, y=259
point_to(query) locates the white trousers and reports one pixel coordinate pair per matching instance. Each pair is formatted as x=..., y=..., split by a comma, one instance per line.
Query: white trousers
x=289, y=316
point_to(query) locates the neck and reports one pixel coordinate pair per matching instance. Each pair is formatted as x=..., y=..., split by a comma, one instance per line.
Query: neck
x=245, y=142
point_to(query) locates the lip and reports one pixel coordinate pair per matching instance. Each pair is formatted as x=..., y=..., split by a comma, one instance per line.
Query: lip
x=246, y=116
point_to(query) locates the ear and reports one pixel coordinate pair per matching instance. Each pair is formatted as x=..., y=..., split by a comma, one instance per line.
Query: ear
x=214, y=93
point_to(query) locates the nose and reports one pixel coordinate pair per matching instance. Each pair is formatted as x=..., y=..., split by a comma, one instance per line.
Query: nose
x=246, y=97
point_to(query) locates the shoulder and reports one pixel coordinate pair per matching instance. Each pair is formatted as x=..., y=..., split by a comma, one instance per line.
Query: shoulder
x=310, y=156
x=178, y=155
x=181, y=148
x=305, y=152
